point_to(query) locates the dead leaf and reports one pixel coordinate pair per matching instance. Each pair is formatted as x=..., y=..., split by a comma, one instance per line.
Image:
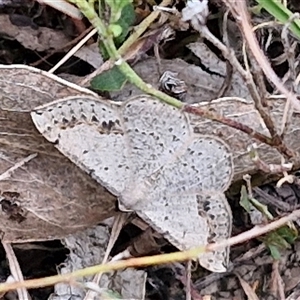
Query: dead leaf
x=90, y=54
x=40, y=39
x=51, y=196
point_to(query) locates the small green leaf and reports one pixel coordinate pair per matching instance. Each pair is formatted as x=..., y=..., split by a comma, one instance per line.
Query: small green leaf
x=111, y=80
x=120, y=4
x=275, y=239
x=103, y=50
x=116, y=7
x=244, y=200
x=115, y=29
x=249, y=203
x=120, y=28
x=274, y=252
x=290, y=234
x=280, y=239
x=126, y=21
x=110, y=295
x=256, y=10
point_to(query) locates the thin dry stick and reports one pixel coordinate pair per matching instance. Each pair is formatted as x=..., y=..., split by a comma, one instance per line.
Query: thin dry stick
x=239, y=11
x=118, y=224
x=239, y=126
x=255, y=232
x=229, y=69
x=276, y=139
x=277, y=284
x=247, y=77
x=19, y=164
x=64, y=47
x=73, y=50
x=188, y=275
x=15, y=270
x=153, y=260
x=267, y=168
x=289, y=50
x=251, y=295
x=258, y=78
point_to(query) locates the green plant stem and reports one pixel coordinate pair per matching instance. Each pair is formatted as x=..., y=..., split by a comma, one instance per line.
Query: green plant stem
x=112, y=51
x=89, y=11
x=262, y=208
x=137, y=81
x=141, y=28
x=130, y=74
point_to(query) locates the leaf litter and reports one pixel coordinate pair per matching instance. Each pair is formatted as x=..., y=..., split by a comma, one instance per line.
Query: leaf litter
x=257, y=265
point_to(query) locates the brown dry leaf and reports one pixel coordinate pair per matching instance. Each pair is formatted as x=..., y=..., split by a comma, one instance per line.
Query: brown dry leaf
x=90, y=54
x=40, y=39
x=47, y=197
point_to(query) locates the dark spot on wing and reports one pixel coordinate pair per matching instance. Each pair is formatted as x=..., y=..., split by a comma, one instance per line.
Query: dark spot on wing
x=94, y=119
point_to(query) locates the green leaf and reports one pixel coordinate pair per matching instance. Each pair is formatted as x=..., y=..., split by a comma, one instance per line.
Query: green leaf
x=280, y=239
x=244, y=200
x=110, y=80
x=115, y=29
x=275, y=243
x=103, y=50
x=281, y=13
x=275, y=239
x=120, y=28
x=111, y=295
x=116, y=7
x=126, y=21
x=274, y=252
x=120, y=4
x=290, y=234
x=248, y=204
x=256, y=10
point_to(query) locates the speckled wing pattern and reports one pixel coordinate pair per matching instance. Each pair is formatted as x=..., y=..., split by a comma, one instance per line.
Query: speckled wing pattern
x=146, y=153
x=89, y=133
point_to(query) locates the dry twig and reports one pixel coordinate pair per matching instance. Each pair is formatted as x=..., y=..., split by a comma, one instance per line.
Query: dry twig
x=239, y=11
x=15, y=270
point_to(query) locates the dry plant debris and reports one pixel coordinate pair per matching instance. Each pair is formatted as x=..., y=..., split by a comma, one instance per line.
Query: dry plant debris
x=241, y=101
